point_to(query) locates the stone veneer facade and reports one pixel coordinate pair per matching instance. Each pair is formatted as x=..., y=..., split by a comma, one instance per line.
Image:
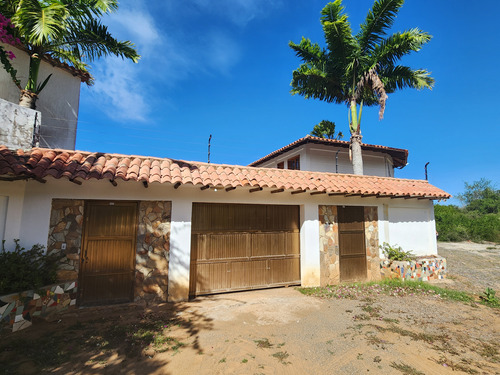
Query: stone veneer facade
x=66, y=220
x=329, y=244
x=153, y=244
x=153, y=247
x=372, y=243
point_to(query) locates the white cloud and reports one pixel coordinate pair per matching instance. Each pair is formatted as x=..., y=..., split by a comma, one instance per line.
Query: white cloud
x=174, y=47
x=119, y=92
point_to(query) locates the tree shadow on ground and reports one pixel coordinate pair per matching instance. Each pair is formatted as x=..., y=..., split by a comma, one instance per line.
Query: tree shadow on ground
x=125, y=339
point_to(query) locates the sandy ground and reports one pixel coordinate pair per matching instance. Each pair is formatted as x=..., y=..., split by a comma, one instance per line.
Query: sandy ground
x=278, y=331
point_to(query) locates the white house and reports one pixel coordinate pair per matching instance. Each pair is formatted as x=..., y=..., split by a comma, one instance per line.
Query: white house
x=57, y=104
x=133, y=227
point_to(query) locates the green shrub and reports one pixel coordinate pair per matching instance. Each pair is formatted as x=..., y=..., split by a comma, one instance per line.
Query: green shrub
x=23, y=269
x=396, y=252
x=457, y=224
x=478, y=220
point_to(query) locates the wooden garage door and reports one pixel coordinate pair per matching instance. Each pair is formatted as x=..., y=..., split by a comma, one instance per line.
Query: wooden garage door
x=242, y=246
x=108, y=253
x=352, y=243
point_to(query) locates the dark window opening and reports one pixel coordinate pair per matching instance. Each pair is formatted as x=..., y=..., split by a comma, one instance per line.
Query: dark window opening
x=294, y=163
x=281, y=165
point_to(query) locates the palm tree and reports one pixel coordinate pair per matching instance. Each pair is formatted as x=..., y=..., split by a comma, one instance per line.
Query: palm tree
x=67, y=30
x=326, y=129
x=359, y=69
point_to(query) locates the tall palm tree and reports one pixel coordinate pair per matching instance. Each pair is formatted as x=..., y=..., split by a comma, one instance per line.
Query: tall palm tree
x=67, y=30
x=359, y=69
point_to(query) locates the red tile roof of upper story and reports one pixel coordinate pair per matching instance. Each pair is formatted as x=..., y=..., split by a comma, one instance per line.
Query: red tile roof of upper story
x=399, y=155
x=78, y=166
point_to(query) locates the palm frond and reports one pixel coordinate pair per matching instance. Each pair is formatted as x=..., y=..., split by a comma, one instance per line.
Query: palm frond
x=379, y=19
x=392, y=49
x=400, y=77
x=69, y=56
x=40, y=22
x=338, y=34
x=307, y=51
x=314, y=84
x=85, y=9
x=371, y=83
x=92, y=40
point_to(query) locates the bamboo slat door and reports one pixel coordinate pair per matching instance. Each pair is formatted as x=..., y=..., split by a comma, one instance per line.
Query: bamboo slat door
x=352, y=243
x=243, y=246
x=108, y=253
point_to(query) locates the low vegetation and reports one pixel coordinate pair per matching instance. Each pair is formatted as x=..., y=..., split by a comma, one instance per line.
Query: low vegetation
x=398, y=288
x=396, y=252
x=478, y=219
x=22, y=269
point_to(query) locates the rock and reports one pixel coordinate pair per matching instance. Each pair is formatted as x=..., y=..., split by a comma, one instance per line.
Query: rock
x=63, y=275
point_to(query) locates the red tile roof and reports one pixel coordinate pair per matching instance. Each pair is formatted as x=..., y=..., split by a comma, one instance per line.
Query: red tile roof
x=399, y=155
x=76, y=165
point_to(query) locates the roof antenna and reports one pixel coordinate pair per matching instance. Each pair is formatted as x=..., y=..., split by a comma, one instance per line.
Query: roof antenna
x=209, y=139
x=426, y=164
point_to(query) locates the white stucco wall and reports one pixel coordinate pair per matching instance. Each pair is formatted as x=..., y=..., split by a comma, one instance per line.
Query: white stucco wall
x=58, y=102
x=321, y=158
x=29, y=205
x=413, y=228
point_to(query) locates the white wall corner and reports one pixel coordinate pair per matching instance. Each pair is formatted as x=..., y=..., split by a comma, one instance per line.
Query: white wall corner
x=180, y=250
x=309, y=246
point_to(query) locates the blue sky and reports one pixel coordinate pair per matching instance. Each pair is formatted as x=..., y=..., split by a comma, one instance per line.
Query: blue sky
x=223, y=67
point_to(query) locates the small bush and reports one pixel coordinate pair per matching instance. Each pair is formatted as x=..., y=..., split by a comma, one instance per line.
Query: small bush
x=23, y=269
x=396, y=252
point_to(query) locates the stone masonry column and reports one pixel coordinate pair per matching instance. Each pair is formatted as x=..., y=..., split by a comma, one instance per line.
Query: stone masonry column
x=180, y=250
x=310, y=268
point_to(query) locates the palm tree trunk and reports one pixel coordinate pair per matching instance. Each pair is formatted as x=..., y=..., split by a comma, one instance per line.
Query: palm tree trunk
x=28, y=95
x=28, y=99
x=357, y=158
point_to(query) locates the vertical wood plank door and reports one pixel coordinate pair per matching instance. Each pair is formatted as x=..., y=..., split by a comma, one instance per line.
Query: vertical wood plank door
x=352, y=243
x=108, y=253
x=243, y=246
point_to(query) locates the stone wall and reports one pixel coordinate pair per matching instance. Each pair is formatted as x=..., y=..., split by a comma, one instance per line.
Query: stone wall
x=17, y=125
x=153, y=246
x=66, y=220
x=329, y=244
x=372, y=243
x=18, y=310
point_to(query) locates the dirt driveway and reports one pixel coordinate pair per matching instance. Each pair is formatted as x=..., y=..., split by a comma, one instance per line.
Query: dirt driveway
x=275, y=331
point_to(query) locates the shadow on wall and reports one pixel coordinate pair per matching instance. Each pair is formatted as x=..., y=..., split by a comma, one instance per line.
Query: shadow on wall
x=131, y=339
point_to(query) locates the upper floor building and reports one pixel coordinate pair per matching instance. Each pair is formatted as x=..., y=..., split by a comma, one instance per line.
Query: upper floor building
x=329, y=155
x=57, y=105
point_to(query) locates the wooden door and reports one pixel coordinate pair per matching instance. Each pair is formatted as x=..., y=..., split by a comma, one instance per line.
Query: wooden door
x=352, y=243
x=243, y=246
x=108, y=253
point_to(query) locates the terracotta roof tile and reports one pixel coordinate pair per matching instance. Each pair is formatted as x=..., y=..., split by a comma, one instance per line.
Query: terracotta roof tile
x=40, y=163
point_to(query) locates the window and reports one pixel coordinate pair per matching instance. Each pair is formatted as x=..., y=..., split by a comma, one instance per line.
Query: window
x=281, y=165
x=294, y=163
